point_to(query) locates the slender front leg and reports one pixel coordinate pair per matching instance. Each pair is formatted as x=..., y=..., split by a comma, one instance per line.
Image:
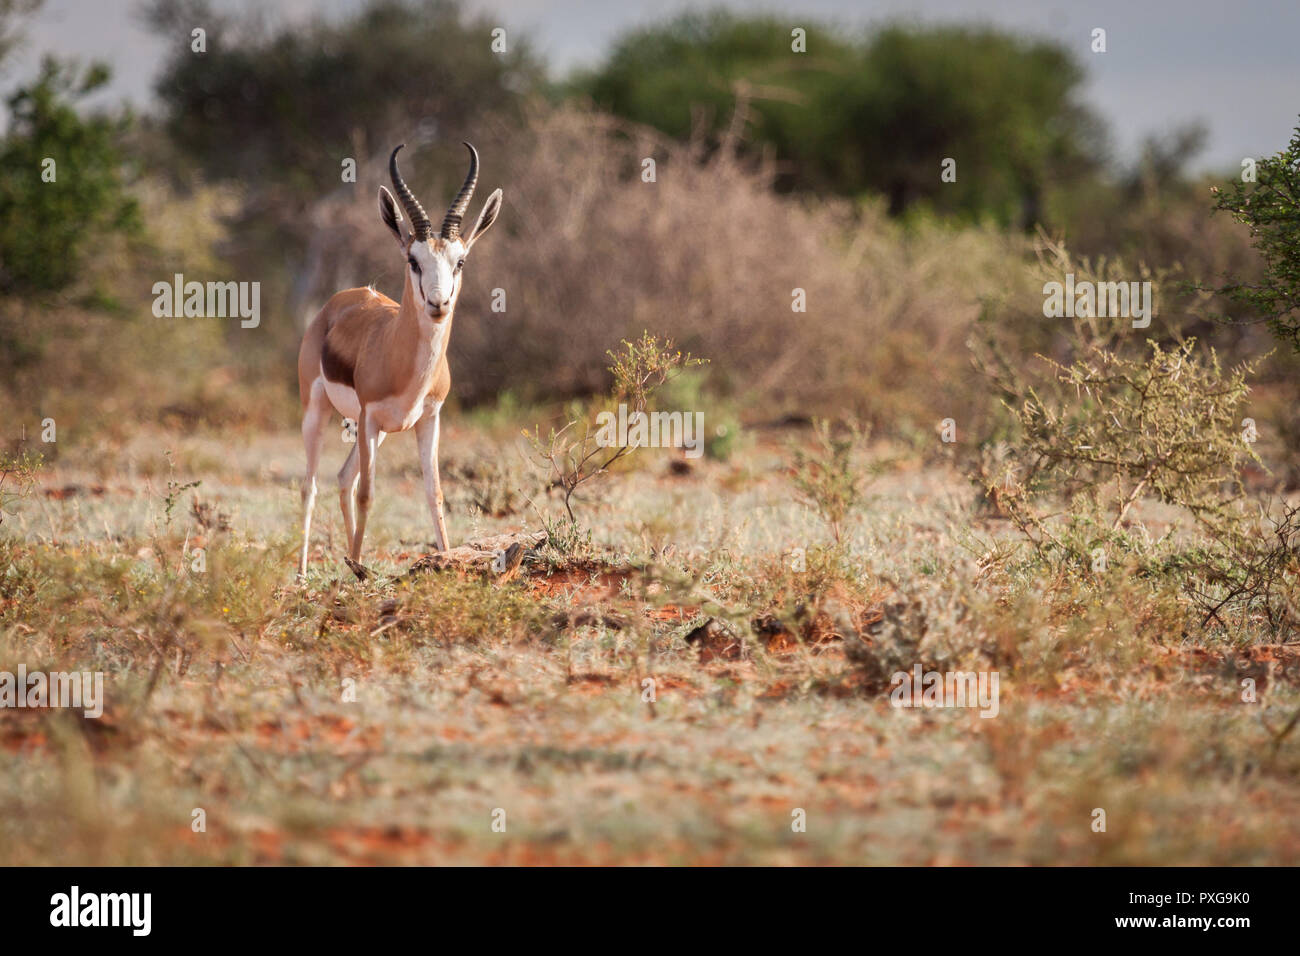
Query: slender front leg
x=426, y=433
x=368, y=440
x=348, y=489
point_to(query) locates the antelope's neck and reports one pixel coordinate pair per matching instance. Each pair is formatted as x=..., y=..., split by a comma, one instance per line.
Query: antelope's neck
x=424, y=339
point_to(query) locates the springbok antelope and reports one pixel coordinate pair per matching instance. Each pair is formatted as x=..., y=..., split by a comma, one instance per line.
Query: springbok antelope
x=384, y=365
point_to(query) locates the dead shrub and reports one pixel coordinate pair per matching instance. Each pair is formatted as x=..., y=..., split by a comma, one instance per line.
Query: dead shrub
x=587, y=254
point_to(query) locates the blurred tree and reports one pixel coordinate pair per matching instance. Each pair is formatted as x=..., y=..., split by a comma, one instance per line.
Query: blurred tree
x=1163, y=163
x=284, y=103
x=11, y=14
x=684, y=76
x=876, y=115
x=62, y=182
x=1004, y=107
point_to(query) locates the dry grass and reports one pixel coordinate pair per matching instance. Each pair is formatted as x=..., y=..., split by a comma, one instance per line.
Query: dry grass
x=229, y=688
x=226, y=688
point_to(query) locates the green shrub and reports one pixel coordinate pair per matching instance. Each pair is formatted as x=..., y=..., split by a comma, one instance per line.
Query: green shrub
x=48, y=228
x=1270, y=206
x=828, y=479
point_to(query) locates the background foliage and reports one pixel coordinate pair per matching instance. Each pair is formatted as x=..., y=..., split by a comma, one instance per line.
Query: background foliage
x=773, y=174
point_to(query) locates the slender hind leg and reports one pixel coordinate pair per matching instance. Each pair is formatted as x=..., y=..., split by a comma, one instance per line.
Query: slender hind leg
x=314, y=420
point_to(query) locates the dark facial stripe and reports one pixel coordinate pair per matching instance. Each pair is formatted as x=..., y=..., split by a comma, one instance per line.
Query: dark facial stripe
x=335, y=367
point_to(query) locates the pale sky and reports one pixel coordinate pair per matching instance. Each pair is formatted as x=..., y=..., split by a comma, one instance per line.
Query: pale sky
x=1234, y=66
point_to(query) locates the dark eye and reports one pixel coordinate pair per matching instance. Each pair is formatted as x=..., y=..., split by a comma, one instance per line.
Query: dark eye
x=414, y=265
x=460, y=265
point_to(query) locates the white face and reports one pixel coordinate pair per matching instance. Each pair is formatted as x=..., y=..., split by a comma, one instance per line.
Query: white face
x=436, y=268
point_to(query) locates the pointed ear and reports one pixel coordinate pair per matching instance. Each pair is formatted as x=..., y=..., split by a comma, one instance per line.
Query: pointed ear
x=391, y=217
x=491, y=209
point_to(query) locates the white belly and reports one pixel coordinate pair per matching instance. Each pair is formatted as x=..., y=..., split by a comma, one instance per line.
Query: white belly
x=396, y=413
x=343, y=399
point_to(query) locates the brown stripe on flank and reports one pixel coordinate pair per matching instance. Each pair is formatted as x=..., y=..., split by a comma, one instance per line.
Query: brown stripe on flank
x=336, y=368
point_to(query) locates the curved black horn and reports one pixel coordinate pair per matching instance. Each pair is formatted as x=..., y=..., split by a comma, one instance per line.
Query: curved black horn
x=414, y=211
x=456, y=211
